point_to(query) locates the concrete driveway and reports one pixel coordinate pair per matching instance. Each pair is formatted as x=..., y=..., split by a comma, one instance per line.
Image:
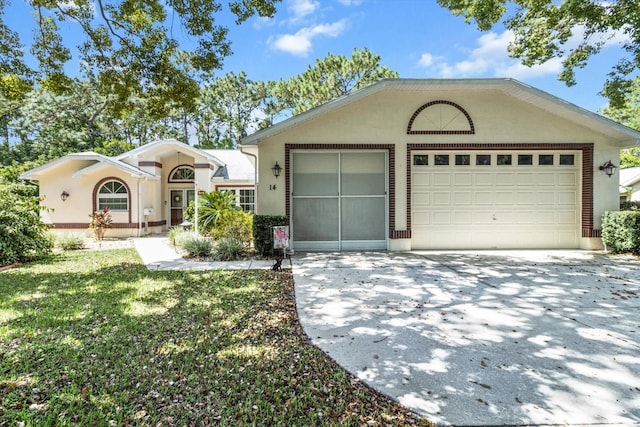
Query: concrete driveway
x=483, y=338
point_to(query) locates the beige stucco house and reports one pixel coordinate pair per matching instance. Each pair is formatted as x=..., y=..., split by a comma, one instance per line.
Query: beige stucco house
x=146, y=189
x=441, y=164
x=630, y=184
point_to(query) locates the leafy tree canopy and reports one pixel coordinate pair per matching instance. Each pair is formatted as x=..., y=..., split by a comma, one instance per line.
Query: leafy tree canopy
x=329, y=78
x=547, y=29
x=131, y=47
x=628, y=114
x=228, y=109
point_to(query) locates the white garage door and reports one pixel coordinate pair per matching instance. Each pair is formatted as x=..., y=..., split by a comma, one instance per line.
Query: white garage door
x=482, y=200
x=339, y=200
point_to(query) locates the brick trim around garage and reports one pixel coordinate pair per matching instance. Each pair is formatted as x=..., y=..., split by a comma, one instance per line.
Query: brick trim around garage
x=390, y=148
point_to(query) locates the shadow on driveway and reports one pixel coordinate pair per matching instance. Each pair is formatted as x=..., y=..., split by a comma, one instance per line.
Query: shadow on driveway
x=483, y=338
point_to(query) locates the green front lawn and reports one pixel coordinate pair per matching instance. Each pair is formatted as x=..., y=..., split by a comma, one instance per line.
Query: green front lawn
x=92, y=338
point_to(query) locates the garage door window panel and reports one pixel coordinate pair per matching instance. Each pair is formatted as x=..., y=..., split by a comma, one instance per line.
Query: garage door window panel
x=545, y=159
x=316, y=174
x=525, y=159
x=504, y=160
x=441, y=160
x=420, y=159
x=362, y=174
x=483, y=160
x=567, y=159
x=463, y=159
x=354, y=212
x=316, y=219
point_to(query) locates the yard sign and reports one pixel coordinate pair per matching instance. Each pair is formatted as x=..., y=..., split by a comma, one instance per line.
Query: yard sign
x=281, y=237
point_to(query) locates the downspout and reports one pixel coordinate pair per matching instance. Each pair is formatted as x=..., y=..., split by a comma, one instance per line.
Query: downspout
x=139, y=208
x=255, y=178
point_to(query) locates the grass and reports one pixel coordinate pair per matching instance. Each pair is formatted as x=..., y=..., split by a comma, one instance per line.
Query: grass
x=92, y=338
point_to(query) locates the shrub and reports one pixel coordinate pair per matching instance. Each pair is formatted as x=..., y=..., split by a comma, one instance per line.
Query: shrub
x=220, y=217
x=197, y=247
x=70, y=241
x=237, y=225
x=229, y=248
x=621, y=231
x=263, y=232
x=99, y=222
x=23, y=235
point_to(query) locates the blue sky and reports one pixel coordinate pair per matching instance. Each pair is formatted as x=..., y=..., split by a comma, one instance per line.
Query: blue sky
x=416, y=38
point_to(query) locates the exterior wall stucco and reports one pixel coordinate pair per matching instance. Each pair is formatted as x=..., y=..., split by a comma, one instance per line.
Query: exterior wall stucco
x=158, y=159
x=382, y=118
x=74, y=213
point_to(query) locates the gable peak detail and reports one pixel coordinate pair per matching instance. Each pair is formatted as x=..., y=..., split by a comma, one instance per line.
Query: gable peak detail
x=440, y=117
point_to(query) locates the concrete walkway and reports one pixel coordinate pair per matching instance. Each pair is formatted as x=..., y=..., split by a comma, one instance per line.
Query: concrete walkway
x=486, y=338
x=158, y=254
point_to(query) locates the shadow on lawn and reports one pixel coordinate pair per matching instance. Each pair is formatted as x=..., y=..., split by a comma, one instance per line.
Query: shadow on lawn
x=96, y=339
x=106, y=340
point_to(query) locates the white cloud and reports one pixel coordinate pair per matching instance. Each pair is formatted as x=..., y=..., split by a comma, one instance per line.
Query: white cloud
x=302, y=8
x=489, y=58
x=350, y=2
x=300, y=42
x=426, y=59
x=521, y=72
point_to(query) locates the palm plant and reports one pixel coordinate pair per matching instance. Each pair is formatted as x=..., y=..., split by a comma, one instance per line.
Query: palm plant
x=214, y=207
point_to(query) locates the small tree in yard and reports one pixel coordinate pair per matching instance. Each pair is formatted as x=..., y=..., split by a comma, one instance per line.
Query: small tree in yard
x=99, y=222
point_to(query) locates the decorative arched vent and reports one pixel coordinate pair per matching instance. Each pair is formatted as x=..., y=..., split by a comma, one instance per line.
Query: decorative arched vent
x=440, y=118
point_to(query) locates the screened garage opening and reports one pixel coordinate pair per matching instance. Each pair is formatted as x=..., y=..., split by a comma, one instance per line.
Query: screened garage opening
x=339, y=200
x=495, y=199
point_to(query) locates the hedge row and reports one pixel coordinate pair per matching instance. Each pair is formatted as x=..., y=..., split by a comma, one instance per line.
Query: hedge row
x=621, y=231
x=263, y=232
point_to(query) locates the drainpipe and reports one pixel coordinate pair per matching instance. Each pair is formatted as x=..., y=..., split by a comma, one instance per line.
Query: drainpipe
x=139, y=208
x=255, y=178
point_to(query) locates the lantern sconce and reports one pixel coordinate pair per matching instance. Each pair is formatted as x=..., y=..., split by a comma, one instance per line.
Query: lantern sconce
x=276, y=169
x=64, y=195
x=608, y=168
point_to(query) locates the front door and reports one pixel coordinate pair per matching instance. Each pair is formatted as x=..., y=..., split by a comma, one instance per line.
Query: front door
x=180, y=199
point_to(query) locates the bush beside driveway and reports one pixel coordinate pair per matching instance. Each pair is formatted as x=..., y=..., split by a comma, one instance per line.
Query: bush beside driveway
x=483, y=338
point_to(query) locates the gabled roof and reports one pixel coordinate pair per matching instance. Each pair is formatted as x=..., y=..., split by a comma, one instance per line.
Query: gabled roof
x=98, y=160
x=629, y=176
x=237, y=165
x=165, y=145
x=108, y=161
x=626, y=136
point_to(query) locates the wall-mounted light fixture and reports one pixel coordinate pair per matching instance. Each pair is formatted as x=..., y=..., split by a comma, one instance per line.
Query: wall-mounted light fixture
x=64, y=195
x=608, y=168
x=276, y=169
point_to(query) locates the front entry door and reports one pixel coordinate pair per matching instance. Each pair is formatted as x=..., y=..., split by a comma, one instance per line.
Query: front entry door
x=180, y=199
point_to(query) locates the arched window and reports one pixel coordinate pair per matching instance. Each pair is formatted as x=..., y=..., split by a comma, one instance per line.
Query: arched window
x=113, y=195
x=182, y=174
